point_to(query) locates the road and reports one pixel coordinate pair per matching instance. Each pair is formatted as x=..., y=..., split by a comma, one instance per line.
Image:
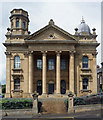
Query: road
x=91, y=115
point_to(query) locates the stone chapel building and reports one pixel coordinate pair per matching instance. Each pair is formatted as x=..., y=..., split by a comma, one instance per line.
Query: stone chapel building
x=50, y=61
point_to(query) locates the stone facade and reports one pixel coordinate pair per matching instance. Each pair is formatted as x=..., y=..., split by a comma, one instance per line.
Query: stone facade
x=99, y=79
x=49, y=61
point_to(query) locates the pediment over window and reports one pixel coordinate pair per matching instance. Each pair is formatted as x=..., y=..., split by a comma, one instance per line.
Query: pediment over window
x=51, y=32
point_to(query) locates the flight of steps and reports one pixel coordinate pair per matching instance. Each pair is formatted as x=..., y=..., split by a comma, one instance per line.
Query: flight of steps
x=53, y=105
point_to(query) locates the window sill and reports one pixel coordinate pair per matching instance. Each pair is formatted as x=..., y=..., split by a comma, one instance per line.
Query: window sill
x=15, y=69
x=86, y=90
x=87, y=69
x=17, y=91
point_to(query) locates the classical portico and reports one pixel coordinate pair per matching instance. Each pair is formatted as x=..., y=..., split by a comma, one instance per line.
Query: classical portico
x=57, y=71
x=50, y=61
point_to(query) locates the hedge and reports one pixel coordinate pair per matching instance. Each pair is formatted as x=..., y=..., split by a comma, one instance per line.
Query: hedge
x=86, y=100
x=18, y=103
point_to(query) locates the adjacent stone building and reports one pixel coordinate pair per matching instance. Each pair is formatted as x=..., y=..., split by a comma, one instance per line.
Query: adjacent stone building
x=50, y=61
x=99, y=79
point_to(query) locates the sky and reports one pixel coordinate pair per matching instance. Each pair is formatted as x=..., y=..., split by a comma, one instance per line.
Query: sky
x=66, y=14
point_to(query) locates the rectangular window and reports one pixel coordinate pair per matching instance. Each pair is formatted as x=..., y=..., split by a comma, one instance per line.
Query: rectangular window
x=39, y=64
x=17, y=23
x=17, y=84
x=63, y=64
x=23, y=25
x=85, y=62
x=85, y=84
x=51, y=64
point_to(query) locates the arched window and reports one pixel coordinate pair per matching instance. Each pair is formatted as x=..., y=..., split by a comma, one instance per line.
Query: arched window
x=17, y=62
x=63, y=87
x=85, y=83
x=85, y=62
x=17, y=23
x=16, y=84
x=23, y=25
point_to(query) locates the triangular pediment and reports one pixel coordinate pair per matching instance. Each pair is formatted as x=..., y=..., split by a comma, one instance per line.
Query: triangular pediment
x=51, y=32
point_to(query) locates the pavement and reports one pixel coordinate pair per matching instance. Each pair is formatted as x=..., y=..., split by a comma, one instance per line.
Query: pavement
x=89, y=115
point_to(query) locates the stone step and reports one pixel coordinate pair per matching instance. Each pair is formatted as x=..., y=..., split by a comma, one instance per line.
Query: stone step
x=51, y=105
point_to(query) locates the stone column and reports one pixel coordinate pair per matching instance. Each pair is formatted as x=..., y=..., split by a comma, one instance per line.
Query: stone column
x=71, y=72
x=44, y=73
x=94, y=70
x=77, y=72
x=31, y=72
x=8, y=75
x=58, y=72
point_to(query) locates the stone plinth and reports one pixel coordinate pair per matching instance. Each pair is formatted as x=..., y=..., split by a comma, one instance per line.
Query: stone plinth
x=35, y=103
x=70, y=102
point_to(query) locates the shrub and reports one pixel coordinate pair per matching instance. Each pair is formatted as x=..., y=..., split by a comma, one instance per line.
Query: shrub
x=66, y=104
x=16, y=103
x=3, y=88
x=79, y=101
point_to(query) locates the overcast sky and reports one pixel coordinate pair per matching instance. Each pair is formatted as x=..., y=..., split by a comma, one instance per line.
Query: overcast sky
x=66, y=15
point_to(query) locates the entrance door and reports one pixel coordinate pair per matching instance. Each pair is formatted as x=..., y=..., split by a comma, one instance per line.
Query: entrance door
x=39, y=87
x=63, y=87
x=51, y=88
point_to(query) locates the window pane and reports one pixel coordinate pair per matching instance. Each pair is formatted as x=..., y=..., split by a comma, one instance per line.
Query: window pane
x=17, y=84
x=23, y=25
x=17, y=23
x=51, y=64
x=39, y=64
x=17, y=62
x=85, y=62
x=63, y=64
x=85, y=83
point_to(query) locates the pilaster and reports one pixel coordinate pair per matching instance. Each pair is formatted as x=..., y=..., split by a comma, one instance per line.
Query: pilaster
x=94, y=71
x=8, y=75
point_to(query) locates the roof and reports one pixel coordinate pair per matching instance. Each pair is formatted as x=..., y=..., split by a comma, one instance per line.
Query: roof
x=49, y=26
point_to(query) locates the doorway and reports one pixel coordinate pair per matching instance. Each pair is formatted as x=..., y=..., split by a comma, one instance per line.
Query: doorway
x=39, y=87
x=51, y=88
x=63, y=87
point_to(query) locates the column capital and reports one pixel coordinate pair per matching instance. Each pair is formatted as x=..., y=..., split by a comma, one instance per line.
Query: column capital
x=44, y=52
x=94, y=54
x=72, y=52
x=8, y=54
x=30, y=52
x=58, y=52
x=26, y=54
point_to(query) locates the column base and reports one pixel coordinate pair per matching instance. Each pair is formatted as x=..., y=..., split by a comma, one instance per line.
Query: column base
x=44, y=95
x=27, y=95
x=58, y=95
x=71, y=110
x=7, y=95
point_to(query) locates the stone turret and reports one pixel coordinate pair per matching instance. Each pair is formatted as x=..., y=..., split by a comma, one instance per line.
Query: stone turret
x=19, y=22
